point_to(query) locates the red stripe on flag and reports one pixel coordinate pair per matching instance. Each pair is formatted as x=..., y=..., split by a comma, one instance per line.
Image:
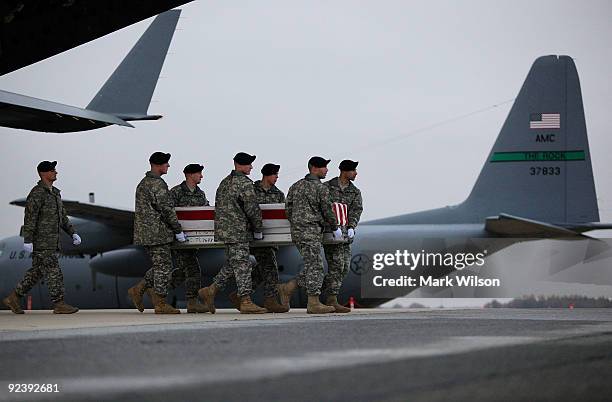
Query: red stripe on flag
x=273, y=214
x=201, y=215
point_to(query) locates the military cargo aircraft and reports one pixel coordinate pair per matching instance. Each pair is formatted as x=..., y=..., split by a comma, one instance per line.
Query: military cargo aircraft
x=126, y=94
x=536, y=183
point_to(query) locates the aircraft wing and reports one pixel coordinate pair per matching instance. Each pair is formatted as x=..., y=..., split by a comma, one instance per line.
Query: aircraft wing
x=514, y=226
x=119, y=218
x=33, y=30
x=20, y=111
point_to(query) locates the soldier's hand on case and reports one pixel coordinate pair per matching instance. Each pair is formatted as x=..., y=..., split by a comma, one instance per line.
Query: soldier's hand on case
x=338, y=234
x=29, y=247
x=350, y=233
x=76, y=239
x=258, y=235
x=181, y=237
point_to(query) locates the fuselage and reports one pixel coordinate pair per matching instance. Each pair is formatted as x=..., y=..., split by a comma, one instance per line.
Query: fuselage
x=102, y=280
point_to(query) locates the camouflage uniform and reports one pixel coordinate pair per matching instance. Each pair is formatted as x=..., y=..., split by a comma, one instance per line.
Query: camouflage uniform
x=266, y=270
x=186, y=261
x=45, y=215
x=155, y=225
x=236, y=215
x=309, y=210
x=338, y=256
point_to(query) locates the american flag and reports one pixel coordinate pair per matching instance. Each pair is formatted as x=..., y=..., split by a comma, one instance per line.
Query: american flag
x=341, y=212
x=544, y=120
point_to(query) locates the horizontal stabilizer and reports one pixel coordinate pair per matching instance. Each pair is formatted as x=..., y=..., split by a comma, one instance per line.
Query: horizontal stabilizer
x=514, y=226
x=25, y=112
x=116, y=217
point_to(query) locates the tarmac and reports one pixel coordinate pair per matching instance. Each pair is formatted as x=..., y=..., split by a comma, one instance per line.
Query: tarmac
x=373, y=354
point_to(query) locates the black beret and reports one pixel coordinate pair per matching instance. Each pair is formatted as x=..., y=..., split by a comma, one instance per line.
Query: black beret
x=46, y=166
x=269, y=169
x=318, y=162
x=159, y=158
x=193, y=168
x=348, y=165
x=243, y=158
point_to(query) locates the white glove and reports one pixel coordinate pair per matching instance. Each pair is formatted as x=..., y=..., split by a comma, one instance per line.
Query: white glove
x=258, y=235
x=76, y=239
x=338, y=234
x=181, y=237
x=29, y=247
x=350, y=233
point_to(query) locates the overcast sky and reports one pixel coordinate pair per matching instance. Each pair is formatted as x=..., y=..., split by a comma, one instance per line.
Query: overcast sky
x=288, y=80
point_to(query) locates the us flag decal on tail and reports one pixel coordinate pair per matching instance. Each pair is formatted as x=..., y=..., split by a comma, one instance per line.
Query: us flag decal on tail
x=341, y=212
x=544, y=120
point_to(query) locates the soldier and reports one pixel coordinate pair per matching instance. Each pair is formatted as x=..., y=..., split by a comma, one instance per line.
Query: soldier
x=338, y=256
x=309, y=210
x=44, y=217
x=155, y=227
x=266, y=270
x=188, y=194
x=236, y=213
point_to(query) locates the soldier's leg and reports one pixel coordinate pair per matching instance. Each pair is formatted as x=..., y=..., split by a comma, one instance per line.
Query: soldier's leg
x=191, y=269
x=311, y=277
x=225, y=274
x=162, y=268
x=149, y=277
x=238, y=259
x=256, y=274
x=334, y=254
x=49, y=266
x=267, y=270
x=31, y=277
x=178, y=277
x=348, y=255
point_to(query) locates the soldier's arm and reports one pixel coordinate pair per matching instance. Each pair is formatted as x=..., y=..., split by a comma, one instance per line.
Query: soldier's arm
x=66, y=225
x=174, y=195
x=206, y=202
x=281, y=197
x=325, y=205
x=355, y=210
x=251, y=207
x=30, y=220
x=165, y=206
x=289, y=205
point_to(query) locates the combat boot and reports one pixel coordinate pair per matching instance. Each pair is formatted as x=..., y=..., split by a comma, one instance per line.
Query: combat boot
x=13, y=302
x=135, y=293
x=248, y=307
x=161, y=307
x=194, y=306
x=63, y=308
x=316, y=307
x=332, y=300
x=235, y=300
x=285, y=290
x=207, y=295
x=273, y=306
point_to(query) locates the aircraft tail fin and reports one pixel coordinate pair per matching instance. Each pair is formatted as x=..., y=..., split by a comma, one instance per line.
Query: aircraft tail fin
x=127, y=93
x=540, y=165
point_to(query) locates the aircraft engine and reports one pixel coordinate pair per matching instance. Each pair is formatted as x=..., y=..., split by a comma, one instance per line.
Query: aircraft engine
x=128, y=262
